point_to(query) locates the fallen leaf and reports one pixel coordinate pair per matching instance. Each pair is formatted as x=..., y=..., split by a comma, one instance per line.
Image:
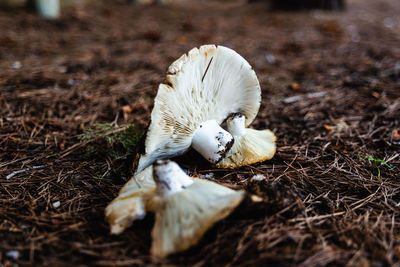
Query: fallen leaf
x=396, y=134
x=328, y=127
x=376, y=95
x=294, y=86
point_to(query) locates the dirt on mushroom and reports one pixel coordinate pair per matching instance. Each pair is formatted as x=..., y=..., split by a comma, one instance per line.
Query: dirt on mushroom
x=324, y=202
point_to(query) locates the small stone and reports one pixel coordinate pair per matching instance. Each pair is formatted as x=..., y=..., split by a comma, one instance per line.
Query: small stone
x=258, y=178
x=13, y=254
x=16, y=65
x=388, y=22
x=56, y=204
x=207, y=176
x=292, y=99
x=270, y=57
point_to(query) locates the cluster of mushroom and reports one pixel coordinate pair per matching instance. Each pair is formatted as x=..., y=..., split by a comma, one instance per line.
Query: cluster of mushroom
x=204, y=88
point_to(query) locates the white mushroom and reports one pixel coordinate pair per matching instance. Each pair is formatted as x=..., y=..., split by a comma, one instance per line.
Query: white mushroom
x=132, y=201
x=185, y=209
x=250, y=145
x=203, y=88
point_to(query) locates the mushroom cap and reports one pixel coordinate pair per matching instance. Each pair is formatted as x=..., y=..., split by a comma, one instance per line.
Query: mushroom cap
x=251, y=147
x=183, y=218
x=209, y=83
x=132, y=201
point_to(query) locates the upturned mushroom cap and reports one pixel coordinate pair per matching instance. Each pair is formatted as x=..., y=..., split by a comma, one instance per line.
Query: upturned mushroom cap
x=181, y=218
x=132, y=201
x=250, y=146
x=207, y=84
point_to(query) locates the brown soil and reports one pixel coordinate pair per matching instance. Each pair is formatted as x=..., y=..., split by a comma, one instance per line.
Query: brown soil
x=325, y=204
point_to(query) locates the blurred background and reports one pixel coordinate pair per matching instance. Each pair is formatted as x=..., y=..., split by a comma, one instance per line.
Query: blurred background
x=122, y=48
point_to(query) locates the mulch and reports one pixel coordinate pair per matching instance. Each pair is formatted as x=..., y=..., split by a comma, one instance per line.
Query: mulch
x=331, y=92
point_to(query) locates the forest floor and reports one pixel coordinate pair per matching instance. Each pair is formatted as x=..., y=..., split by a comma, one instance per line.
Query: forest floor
x=330, y=91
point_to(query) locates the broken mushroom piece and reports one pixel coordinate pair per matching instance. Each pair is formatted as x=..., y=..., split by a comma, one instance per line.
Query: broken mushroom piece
x=203, y=88
x=132, y=201
x=250, y=145
x=186, y=208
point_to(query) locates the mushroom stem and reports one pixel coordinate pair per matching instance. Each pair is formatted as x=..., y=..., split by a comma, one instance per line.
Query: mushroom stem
x=169, y=178
x=236, y=124
x=251, y=146
x=211, y=141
